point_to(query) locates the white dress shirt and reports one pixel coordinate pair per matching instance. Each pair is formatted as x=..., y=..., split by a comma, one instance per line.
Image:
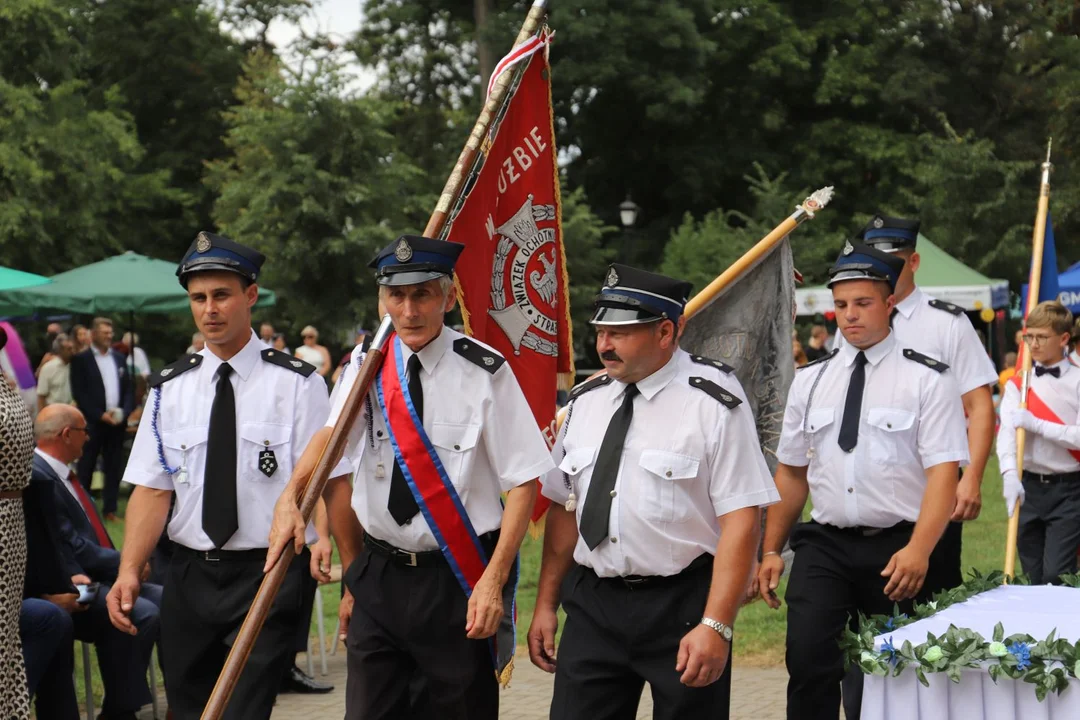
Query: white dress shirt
x=276, y=410
x=943, y=336
x=110, y=378
x=62, y=471
x=687, y=460
x=911, y=419
x=480, y=425
x=1043, y=454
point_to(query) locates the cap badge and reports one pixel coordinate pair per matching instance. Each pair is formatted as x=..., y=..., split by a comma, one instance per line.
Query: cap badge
x=202, y=244
x=848, y=248
x=879, y=223
x=612, y=278
x=403, y=252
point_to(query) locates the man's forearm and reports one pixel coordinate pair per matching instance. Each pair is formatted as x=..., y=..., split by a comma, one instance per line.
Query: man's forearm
x=937, y=504
x=560, y=538
x=979, y=406
x=147, y=511
x=792, y=485
x=740, y=531
x=344, y=526
x=515, y=521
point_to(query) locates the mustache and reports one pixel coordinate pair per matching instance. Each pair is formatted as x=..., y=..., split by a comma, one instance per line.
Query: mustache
x=610, y=356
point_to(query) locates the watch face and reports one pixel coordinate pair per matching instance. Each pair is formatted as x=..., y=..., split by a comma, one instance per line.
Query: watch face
x=726, y=633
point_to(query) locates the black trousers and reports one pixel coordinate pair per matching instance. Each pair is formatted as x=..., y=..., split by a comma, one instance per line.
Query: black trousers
x=308, y=587
x=1049, y=528
x=108, y=441
x=408, y=656
x=836, y=574
x=204, y=604
x=618, y=637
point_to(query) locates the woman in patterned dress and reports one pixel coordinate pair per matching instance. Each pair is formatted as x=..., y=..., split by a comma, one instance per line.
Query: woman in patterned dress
x=16, y=456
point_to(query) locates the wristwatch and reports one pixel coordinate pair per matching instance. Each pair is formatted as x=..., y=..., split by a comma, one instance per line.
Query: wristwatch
x=723, y=630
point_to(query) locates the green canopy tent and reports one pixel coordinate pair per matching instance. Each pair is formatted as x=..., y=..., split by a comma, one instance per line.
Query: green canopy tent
x=11, y=279
x=127, y=283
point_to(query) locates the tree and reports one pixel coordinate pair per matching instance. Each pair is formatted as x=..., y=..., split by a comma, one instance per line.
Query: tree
x=315, y=181
x=586, y=264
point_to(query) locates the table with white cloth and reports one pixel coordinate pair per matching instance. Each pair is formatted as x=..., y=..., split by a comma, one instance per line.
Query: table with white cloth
x=1034, y=610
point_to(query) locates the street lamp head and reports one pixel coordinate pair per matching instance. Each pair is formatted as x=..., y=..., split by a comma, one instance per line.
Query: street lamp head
x=628, y=212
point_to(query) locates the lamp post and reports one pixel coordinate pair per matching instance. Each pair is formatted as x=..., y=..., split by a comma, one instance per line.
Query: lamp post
x=628, y=213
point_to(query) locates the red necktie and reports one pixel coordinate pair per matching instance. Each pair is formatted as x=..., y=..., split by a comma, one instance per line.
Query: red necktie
x=91, y=512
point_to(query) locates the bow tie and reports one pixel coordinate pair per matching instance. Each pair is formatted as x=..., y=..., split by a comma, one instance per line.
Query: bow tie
x=1054, y=371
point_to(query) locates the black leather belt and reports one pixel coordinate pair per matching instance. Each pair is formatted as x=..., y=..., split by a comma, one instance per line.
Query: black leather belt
x=424, y=558
x=640, y=582
x=1051, y=478
x=867, y=531
x=252, y=555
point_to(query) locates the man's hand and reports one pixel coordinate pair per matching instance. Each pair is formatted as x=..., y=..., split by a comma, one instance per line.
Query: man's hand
x=344, y=614
x=906, y=572
x=66, y=601
x=288, y=525
x=121, y=599
x=968, y=498
x=485, y=607
x=768, y=579
x=1012, y=489
x=80, y=580
x=703, y=655
x=322, y=553
x=752, y=586
x=541, y=637
x=107, y=418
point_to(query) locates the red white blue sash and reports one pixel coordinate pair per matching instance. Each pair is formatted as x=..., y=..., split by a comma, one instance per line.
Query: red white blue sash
x=438, y=499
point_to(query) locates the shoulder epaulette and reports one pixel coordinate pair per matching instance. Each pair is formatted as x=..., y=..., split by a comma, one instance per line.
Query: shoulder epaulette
x=947, y=307
x=181, y=366
x=829, y=356
x=924, y=360
x=478, y=355
x=723, y=367
x=716, y=392
x=579, y=390
x=288, y=362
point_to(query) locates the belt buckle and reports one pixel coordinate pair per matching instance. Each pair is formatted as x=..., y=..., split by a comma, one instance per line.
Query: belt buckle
x=410, y=558
x=871, y=531
x=208, y=557
x=632, y=583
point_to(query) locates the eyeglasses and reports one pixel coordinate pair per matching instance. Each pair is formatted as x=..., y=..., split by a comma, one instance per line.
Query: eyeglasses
x=1036, y=339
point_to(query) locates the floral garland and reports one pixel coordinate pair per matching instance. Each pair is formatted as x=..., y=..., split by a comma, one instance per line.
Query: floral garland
x=1047, y=664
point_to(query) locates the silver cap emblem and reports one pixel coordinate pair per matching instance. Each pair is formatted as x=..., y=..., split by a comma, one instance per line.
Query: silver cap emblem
x=403, y=252
x=612, y=278
x=848, y=248
x=879, y=223
x=202, y=244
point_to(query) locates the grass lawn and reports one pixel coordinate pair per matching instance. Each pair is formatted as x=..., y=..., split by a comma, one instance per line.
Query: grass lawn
x=760, y=630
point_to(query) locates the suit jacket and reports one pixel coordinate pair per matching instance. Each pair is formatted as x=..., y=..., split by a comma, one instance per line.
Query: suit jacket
x=50, y=561
x=88, y=389
x=100, y=563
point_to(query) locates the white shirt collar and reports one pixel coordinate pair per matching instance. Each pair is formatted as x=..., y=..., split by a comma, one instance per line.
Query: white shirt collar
x=907, y=305
x=649, y=386
x=432, y=353
x=874, y=354
x=62, y=471
x=98, y=353
x=242, y=362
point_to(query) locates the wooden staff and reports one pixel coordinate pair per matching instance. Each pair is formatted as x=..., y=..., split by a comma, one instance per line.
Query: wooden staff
x=1038, y=236
x=803, y=212
x=335, y=446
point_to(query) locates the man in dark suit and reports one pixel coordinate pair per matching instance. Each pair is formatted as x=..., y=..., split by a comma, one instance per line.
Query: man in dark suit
x=102, y=390
x=61, y=434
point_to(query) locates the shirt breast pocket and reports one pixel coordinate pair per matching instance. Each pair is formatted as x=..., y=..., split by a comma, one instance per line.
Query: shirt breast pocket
x=893, y=428
x=183, y=448
x=266, y=452
x=817, y=427
x=453, y=444
x=668, y=486
x=573, y=467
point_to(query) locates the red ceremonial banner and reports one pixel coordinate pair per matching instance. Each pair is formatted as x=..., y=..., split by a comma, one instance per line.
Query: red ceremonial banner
x=511, y=277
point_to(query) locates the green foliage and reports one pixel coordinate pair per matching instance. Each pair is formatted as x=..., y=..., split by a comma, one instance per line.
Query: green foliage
x=316, y=182
x=586, y=261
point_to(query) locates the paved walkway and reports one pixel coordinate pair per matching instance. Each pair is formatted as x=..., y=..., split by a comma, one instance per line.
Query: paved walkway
x=757, y=694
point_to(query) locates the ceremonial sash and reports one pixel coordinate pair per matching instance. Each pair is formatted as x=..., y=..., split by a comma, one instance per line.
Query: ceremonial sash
x=1040, y=409
x=439, y=501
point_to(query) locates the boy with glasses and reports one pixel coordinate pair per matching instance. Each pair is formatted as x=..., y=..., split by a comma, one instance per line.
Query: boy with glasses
x=1049, y=491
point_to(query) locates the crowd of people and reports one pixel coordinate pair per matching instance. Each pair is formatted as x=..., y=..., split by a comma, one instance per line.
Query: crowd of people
x=653, y=541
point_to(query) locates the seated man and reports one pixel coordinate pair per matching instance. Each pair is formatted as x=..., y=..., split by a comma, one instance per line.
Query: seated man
x=60, y=431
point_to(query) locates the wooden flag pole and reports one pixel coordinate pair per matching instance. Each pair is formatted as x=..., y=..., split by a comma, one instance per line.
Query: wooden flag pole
x=807, y=210
x=335, y=445
x=1038, y=237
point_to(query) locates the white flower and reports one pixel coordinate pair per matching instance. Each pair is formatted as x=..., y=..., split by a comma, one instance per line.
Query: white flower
x=867, y=657
x=933, y=653
x=998, y=649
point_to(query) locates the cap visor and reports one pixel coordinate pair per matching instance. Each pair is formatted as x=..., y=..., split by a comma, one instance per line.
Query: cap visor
x=408, y=278
x=622, y=316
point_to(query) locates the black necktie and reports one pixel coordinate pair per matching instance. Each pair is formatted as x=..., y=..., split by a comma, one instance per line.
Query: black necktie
x=219, y=517
x=597, y=511
x=402, y=504
x=1052, y=371
x=849, y=426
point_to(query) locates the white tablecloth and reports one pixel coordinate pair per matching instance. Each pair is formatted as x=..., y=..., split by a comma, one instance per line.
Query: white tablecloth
x=1020, y=609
